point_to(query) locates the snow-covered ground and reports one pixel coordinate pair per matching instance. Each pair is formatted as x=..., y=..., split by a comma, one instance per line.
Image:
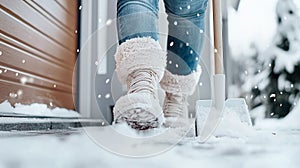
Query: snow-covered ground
x=271, y=143
x=266, y=148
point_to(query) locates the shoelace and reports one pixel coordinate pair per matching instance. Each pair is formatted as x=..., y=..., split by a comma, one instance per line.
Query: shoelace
x=143, y=80
x=175, y=105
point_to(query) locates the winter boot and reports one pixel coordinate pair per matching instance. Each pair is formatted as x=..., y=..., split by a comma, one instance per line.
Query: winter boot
x=140, y=63
x=178, y=88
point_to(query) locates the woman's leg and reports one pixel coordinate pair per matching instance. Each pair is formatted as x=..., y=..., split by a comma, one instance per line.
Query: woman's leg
x=140, y=63
x=186, y=34
x=137, y=18
x=185, y=40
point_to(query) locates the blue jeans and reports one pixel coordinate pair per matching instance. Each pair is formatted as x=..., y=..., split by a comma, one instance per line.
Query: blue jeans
x=139, y=18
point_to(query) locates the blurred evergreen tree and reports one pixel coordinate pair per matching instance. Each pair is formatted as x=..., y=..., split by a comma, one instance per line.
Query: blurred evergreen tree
x=276, y=81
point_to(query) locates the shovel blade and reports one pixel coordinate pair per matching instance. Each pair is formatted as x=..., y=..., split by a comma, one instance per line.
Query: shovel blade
x=208, y=117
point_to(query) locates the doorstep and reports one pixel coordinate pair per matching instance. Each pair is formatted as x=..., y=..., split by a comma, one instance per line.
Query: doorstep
x=31, y=123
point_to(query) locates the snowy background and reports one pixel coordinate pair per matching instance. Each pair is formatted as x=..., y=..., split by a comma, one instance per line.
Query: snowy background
x=265, y=48
x=253, y=23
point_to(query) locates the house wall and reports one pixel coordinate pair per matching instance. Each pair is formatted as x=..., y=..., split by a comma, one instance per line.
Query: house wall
x=38, y=43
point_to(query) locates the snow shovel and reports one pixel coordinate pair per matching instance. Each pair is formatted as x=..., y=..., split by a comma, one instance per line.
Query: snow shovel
x=209, y=113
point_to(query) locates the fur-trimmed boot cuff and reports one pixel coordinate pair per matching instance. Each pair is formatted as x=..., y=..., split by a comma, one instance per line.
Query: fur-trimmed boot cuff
x=140, y=53
x=185, y=84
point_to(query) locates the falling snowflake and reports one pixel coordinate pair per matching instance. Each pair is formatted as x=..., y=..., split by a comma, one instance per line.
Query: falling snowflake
x=23, y=80
x=107, y=96
x=19, y=92
x=171, y=44
x=108, y=22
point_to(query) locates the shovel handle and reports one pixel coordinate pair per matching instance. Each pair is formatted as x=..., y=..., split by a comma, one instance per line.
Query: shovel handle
x=218, y=46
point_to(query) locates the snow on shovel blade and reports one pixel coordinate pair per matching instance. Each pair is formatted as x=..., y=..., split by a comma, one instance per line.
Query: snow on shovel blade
x=239, y=106
x=208, y=117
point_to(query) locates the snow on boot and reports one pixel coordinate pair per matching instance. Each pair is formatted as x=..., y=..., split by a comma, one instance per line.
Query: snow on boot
x=178, y=88
x=140, y=63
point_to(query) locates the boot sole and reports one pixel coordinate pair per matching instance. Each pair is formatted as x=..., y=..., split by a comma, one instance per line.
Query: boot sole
x=139, y=118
